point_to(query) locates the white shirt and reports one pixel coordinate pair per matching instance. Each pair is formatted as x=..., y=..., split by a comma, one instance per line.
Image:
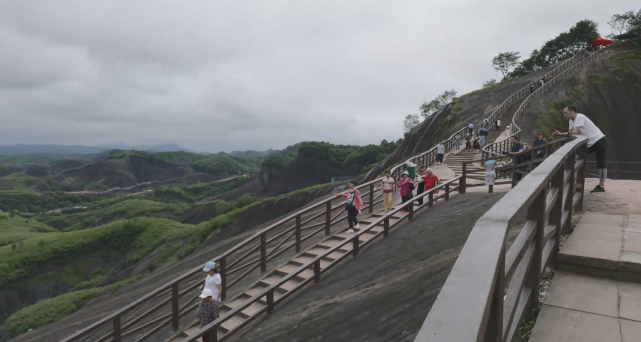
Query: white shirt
x=211, y=283
x=498, y=122
x=587, y=128
x=440, y=149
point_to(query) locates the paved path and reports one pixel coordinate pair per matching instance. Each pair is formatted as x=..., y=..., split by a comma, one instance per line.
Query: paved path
x=596, y=294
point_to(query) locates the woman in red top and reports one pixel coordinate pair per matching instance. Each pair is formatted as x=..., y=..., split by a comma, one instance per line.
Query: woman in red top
x=353, y=206
x=431, y=180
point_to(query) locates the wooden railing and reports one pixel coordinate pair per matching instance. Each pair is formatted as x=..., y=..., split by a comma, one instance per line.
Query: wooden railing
x=259, y=251
x=430, y=196
x=552, y=78
x=519, y=163
x=491, y=288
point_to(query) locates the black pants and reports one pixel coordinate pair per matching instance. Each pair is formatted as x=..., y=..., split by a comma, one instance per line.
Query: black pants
x=498, y=128
x=468, y=146
x=471, y=131
x=351, y=217
x=407, y=198
x=599, y=149
x=439, y=157
x=419, y=190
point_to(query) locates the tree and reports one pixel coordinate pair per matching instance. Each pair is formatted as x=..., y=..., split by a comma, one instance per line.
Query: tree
x=411, y=121
x=620, y=22
x=489, y=83
x=436, y=105
x=506, y=61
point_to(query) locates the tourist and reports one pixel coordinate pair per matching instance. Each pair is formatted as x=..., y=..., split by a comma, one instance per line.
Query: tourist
x=457, y=140
x=213, y=283
x=597, y=142
x=353, y=206
x=388, y=185
x=420, y=180
x=486, y=122
x=484, y=133
x=431, y=180
x=587, y=56
x=210, y=311
x=515, y=151
x=538, y=141
x=532, y=89
x=440, y=152
x=471, y=128
x=407, y=185
x=498, y=125
x=468, y=143
x=476, y=144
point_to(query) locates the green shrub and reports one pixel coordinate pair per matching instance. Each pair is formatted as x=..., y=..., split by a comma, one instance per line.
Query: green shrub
x=51, y=310
x=278, y=161
x=553, y=119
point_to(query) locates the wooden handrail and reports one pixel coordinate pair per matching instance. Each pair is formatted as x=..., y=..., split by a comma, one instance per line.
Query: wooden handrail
x=492, y=289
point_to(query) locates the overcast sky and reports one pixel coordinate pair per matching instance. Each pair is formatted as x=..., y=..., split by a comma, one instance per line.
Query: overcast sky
x=232, y=75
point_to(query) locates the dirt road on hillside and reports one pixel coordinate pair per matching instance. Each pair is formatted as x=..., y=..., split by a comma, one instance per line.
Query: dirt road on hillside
x=386, y=292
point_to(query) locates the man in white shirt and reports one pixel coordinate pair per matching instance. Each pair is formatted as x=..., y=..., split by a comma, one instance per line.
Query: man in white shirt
x=498, y=125
x=440, y=152
x=597, y=143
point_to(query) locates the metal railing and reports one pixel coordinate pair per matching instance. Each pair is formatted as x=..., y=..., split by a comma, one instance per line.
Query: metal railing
x=491, y=288
x=557, y=75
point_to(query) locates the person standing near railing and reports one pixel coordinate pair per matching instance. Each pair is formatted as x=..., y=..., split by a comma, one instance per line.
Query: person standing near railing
x=406, y=185
x=210, y=308
x=471, y=128
x=498, y=125
x=597, y=143
x=431, y=180
x=476, y=144
x=353, y=206
x=440, y=153
x=516, y=148
x=468, y=143
x=457, y=140
x=213, y=289
x=538, y=141
x=388, y=185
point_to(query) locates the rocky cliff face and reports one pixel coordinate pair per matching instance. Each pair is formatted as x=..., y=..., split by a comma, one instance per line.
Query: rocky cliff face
x=608, y=91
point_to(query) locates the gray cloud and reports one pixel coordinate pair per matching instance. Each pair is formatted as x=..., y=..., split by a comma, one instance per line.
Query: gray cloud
x=223, y=75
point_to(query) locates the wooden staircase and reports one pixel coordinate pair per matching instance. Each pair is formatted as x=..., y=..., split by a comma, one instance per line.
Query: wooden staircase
x=251, y=312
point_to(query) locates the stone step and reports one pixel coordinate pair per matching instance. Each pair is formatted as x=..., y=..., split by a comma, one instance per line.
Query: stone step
x=604, y=245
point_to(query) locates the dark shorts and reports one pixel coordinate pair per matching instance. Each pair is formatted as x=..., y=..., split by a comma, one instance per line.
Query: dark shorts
x=599, y=149
x=439, y=157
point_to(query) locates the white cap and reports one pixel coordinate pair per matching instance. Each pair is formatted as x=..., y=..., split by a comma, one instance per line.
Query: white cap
x=406, y=172
x=206, y=293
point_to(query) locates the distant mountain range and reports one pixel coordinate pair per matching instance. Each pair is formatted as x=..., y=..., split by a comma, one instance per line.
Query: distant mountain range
x=67, y=150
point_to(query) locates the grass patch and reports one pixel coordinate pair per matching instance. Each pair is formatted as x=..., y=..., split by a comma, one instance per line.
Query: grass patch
x=17, y=183
x=619, y=69
x=51, y=310
x=505, y=81
x=15, y=229
x=598, y=79
x=138, y=207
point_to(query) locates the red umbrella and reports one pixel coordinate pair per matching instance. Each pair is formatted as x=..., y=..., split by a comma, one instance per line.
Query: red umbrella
x=600, y=42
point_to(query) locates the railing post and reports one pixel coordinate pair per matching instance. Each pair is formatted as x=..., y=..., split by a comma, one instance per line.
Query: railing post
x=514, y=173
x=447, y=191
x=328, y=217
x=270, y=301
x=490, y=189
x=494, y=329
x=567, y=205
x=556, y=214
x=317, y=271
x=298, y=231
x=263, y=252
x=371, y=198
x=223, y=277
x=410, y=216
x=580, y=175
x=536, y=212
x=355, y=245
x=461, y=182
x=174, y=307
x=386, y=227
x=117, y=329
x=430, y=203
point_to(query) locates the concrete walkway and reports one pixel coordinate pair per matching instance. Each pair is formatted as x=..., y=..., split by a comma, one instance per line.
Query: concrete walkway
x=595, y=296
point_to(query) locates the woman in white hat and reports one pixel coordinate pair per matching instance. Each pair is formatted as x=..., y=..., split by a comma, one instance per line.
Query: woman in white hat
x=210, y=311
x=406, y=184
x=213, y=283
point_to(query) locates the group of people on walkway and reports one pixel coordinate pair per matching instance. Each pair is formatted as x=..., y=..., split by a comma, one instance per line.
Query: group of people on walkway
x=209, y=307
x=425, y=180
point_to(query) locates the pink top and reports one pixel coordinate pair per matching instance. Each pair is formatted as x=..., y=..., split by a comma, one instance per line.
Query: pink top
x=405, y=186
x=358, y=201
